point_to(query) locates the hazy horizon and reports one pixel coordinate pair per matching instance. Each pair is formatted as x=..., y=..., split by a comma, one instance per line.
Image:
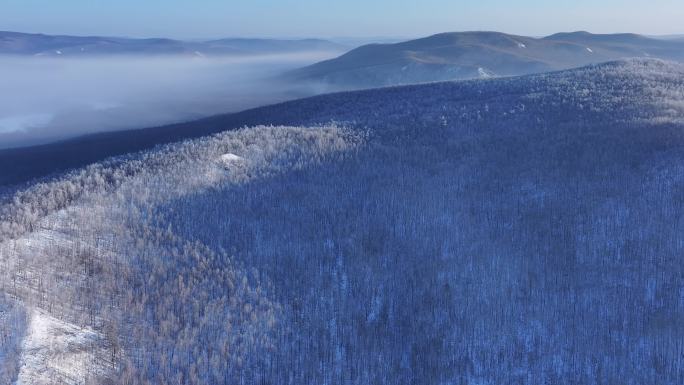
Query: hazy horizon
x=350, y=40
x=59, y=98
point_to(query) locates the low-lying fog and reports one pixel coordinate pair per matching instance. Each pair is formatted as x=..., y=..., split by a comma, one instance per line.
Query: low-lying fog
x=48, y=99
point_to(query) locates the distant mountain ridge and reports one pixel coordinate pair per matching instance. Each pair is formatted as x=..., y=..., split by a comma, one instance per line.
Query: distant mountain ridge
x=16, y=43
x=467, y=55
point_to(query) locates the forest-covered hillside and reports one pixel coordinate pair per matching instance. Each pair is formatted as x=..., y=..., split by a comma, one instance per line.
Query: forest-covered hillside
x=507, y=231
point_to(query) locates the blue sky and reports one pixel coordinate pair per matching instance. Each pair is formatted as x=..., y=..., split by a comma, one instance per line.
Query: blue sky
x=337, y=18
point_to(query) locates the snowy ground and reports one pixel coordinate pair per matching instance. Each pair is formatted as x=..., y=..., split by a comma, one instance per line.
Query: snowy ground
x=52, y=351
x=56, y=352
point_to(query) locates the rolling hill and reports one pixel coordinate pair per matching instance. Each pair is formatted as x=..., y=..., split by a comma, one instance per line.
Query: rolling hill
x=467, y=55
x=518, y=230
x=15, y=43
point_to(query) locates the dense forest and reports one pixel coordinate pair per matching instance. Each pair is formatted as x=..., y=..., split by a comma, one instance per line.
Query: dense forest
x=506, y=231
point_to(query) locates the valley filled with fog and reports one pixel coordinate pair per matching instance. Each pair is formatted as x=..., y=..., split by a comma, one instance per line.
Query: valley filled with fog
x=48, y=99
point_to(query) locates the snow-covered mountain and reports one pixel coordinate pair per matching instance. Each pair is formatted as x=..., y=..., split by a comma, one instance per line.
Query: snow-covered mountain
x=15, y=43
x=467, y=55
x=517, y=230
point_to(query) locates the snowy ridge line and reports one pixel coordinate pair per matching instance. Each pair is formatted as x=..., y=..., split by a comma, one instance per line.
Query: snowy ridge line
x=28, y=206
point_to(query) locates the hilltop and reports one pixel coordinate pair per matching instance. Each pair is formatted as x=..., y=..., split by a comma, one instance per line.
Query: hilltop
x=470, y=55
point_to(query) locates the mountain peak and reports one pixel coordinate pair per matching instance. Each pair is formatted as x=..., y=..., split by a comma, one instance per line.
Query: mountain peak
x=469, y=55
x=588, y=36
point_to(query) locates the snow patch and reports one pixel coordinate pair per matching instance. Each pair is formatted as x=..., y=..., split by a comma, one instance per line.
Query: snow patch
x=55, y=351
x=231, y=158
x=521, y=45
x=229, y=161
x=484, y=74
